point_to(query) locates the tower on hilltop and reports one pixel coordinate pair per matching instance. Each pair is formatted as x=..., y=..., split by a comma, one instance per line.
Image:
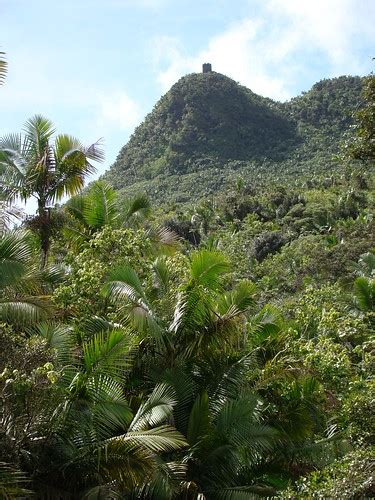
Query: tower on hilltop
x=207, y=68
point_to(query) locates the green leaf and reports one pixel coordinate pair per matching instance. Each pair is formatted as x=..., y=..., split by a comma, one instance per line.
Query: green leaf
x=156, y=410
x=364, y=290
x=208, y=267
x=199, y=421
x=158, y=440
x=108, y=353
x=15, y=253
x=100, y=205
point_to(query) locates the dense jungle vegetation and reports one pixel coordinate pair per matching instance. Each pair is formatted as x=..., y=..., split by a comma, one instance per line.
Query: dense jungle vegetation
x=208, y=130
x=217, y=349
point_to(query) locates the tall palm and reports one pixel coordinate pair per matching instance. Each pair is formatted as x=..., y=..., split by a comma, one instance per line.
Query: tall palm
x=83, y=425
x=33, y=165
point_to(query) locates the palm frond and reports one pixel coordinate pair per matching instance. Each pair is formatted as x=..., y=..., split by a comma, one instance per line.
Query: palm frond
x=3, y=67
x=137, y=208
x=75, y=207
x=102, y=492
x=267, y=330
x=111, y=412
x=38, y=131
x=72, y=166
x=132, y=289
x=161, y=274
x=108, y=353
x=192, y=313
x=25, y=312
x=100, y=207
x=231, y=381
x=185, y=391
x=9, y=214
x=126, y=290
x=12, y=145
x=207, y=268
x=244, y=493
x=59, y=337
x=199, y=420
x=53, y=275
x=238, y=300
x=15, y=253
x=95, y=151
x=96, y=324
x=12, y=482
x=364, y=290
x=166, y=482
x=156, y=410
x=157, y=440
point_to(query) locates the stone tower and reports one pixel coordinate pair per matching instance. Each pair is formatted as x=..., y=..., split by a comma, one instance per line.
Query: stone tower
x=207, y=68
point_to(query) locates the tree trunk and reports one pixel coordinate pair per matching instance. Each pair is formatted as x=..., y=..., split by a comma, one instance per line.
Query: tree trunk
x=44, y=233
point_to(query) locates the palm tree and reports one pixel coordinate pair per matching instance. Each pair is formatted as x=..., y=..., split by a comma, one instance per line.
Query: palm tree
x=99, y=207
x=32, y=166
x=206, y=318
x=83, y=425
x=89, y=213
x=197, y=349
x=22, y=297
x=97, y=437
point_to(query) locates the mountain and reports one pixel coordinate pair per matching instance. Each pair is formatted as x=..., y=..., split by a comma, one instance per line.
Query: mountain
x=208, y=130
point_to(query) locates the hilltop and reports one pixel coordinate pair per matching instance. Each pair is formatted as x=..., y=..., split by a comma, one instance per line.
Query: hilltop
x=207, y=130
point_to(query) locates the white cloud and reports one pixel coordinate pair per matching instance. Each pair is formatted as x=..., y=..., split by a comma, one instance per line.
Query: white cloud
x=117, y=110
x=336, y=27
x=269, y=52
x=235, y=53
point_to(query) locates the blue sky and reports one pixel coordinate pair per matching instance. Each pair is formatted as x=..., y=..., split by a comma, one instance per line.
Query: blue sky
x=97, y=67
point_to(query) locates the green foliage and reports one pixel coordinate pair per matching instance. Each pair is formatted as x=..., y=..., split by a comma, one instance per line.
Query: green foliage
x=12, y=482
x=358, y=412
x=80, y=293
x=362, y=148
x=22, y=298
x=328, y=361
x=208, y=130
x=30, y=166
x=100, y=206
x=218, y=350
x=364, y=290
x=348, y=478
x=202, y=118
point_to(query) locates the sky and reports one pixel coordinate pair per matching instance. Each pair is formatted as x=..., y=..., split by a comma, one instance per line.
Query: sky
x=97, y=67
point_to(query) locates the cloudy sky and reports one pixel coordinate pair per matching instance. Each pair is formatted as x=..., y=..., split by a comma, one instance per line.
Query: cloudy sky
x=97, y=67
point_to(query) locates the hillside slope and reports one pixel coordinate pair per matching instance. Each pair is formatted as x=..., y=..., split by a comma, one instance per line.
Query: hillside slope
x=208, y=129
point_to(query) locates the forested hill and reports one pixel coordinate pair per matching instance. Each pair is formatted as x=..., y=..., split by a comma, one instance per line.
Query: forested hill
x=208, y=129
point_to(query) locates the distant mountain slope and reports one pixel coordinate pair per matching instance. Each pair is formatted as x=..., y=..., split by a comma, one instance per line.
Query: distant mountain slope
x=329, y=103
x=208, y=128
